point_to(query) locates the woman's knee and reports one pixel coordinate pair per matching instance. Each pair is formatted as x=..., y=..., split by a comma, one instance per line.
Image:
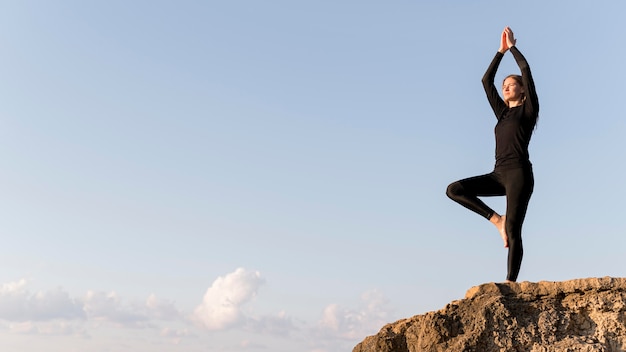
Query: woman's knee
x=454, y=190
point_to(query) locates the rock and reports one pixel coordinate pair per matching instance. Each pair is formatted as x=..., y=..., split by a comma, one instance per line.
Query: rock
x=583, y=315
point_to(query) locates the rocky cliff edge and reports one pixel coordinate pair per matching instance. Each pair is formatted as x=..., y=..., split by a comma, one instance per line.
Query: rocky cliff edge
x=583, y=315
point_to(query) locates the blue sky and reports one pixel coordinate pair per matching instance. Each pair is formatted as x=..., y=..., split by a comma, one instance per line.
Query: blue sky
x=270, y=175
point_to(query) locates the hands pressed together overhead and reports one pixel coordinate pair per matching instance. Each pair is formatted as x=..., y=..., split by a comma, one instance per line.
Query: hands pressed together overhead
x=507, y=40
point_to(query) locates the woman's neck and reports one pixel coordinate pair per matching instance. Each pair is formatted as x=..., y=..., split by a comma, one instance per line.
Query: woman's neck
x=514, y=103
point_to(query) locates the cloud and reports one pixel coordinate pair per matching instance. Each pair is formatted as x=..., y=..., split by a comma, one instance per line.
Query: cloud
x=342, y=323
x=110, y=307
x=278, y=324
x=224, y=306
x=23, y=309
x=55, y=327
x=249, y=345
x=174, y=335
x=161, y=309
x=221, y=307
x=17, y=304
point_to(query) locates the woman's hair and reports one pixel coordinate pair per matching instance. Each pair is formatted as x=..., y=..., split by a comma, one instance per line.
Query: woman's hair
x=518, y=80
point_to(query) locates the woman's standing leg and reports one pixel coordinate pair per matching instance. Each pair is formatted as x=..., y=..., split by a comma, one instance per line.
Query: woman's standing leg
x=519, y=185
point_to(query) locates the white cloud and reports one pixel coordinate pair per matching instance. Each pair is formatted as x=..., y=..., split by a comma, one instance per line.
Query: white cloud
x=17, y=304
x=55, y=327
x=249, y=345
x=161, y=309
x=110, y=307
x=348, y=324
x=278, y=324
x=13, y=287
x=25, y=310
x=224, y=305
x=221, y=307
x=174, y=335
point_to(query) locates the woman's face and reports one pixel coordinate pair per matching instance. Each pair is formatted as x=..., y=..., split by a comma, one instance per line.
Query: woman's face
x=511, y=90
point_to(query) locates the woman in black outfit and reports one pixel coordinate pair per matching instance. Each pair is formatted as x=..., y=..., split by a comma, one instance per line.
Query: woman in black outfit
x=512, y=176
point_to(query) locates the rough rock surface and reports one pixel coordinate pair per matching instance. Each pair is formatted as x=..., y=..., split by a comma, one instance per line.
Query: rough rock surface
x=571, y=316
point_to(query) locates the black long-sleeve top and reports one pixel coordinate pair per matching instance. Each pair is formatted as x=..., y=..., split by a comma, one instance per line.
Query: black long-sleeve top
x=515, y=125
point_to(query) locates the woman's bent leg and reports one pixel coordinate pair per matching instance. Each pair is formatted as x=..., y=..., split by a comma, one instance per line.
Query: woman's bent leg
x=467, y=191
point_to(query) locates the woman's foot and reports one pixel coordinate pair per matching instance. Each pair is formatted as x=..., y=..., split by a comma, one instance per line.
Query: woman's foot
x=500, y=223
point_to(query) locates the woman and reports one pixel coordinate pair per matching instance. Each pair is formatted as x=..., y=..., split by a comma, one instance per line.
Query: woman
x=512, y=176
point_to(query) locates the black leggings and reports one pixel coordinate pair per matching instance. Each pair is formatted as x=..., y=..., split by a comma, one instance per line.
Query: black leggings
x=517, y=184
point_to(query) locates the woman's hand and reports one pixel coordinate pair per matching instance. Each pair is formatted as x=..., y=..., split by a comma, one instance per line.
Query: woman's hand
x=507, y=40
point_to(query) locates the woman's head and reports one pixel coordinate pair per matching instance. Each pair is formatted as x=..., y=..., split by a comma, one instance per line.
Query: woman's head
x=513, y=90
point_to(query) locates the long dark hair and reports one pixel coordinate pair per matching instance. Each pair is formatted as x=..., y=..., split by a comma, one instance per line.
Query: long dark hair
x=518, y=80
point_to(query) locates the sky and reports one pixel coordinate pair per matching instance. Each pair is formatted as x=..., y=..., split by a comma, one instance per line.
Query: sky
x=270, y=175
